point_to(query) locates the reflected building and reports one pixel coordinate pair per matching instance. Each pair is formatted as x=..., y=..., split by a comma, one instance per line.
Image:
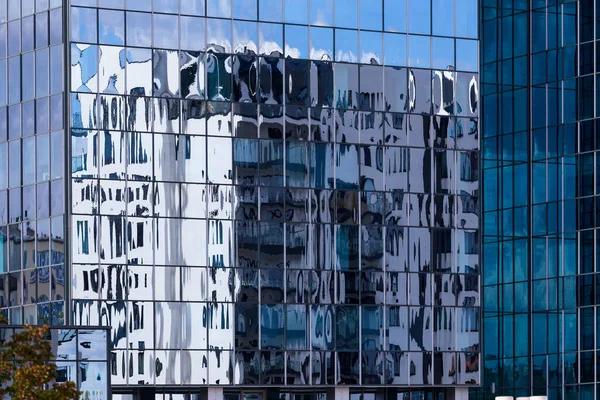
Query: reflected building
x=80, y=355
x=252, y=194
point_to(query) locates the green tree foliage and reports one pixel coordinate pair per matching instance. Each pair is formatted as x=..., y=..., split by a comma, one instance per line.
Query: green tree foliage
x=27, y=370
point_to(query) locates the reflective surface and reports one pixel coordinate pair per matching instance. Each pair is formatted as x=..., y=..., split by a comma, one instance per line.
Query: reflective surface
x=81, y=355
x=539, y=143
x=255, y=203
x=33, y=277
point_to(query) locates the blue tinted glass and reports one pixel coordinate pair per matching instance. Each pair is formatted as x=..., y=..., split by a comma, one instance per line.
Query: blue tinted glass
x=41, y=28
x=3, y=40
x=270, y=10
x=56, y=204
x=569, y=24
x=14, y=9
x=466, y=55
x=347, y=330
x=489, y=32
x=272, y=326
x=29, y=167
x=520, y=30
x=27, y=7
x=14, y=79
x=139, y=5
x=89, y=3
x=56, y=112
x=165, y=31
x=111, y=3
x=27, y=34
x=443, y=53
x=321, y=43
x=28, y=74
x=219, y=35
x=296, y=41
x=14, y=161
x=166, y=6
x=192, y=7
x=41, y=5
x=370, y=48
x=371, y=16
x=296, y=11
x=192, y=33
x=28, y=118
x=14, y=122
x=138, y=29
x=56, y=151
x=41, y=72
x=218, y=8
x=296, y=326
x=42, y=119
x=521, y=341
x=111, y=27
x=3, y=82
x=55, y=26
x=346, y=14
x=42, y=158
x=271, y=36
x=321, y=12
x=394, y=49
x=245, y=36
x=394, y=15
x=3, y=126
x=418, y=51
x=538, y=31
x=83, y=25
x=14, y=37
x=56, y=69
x=443, y=17
x=466, y=18
x=419, y=18
x=3, y=168
x=346, y=45
x=245, y=9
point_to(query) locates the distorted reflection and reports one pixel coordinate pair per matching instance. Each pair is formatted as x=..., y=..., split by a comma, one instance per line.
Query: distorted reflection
x=247, y=211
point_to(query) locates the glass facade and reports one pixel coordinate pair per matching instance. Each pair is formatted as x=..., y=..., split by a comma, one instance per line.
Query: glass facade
x=274, y=192
x=81, y=356
x=539, y=204
x=32, y=207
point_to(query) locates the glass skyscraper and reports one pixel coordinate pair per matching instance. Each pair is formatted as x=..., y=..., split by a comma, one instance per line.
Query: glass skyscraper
x=262, y=199
x=540, y=210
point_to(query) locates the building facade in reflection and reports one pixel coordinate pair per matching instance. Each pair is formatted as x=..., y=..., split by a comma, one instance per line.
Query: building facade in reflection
x=257, y=192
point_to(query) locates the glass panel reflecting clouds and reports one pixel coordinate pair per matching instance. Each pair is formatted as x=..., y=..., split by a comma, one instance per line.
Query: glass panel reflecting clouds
x=259, y=201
